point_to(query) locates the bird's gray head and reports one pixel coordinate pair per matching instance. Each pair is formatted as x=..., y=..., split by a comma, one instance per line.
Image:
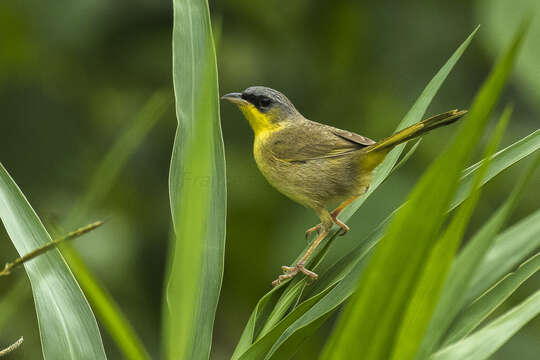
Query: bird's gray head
x=263, y=104
x=265, y=98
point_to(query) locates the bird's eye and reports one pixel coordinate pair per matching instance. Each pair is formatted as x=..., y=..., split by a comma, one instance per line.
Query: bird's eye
x=265, y=102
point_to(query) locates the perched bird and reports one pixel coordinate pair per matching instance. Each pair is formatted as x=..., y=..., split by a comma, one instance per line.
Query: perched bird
x=316, y=165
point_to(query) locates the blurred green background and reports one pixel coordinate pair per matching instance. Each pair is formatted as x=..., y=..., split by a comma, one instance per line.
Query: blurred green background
x=74, y=74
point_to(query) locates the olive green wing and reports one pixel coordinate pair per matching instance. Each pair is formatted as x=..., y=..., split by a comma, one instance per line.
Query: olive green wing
x=352, y=137
x=311, y=141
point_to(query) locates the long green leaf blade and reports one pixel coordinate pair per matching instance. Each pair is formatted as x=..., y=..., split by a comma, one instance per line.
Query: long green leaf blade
x=248, y=335
x=486, y=341
x=502, y=160
x=481, y=308
x=259, y=349
x=509, y=249
x=67, y=325
x=196, y=187
x=369, y=323
x=429, y=285
x=453, y=297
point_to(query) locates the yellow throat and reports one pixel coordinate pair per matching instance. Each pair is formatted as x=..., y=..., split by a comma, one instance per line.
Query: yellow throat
x=261, y=123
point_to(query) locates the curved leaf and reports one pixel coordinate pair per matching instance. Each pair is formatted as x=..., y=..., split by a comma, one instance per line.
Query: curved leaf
x=481, y=308
x=67, y=325
x=369, y=323
x=486, y=341
x=429, y=284
x=509, y=249
x=454, y=296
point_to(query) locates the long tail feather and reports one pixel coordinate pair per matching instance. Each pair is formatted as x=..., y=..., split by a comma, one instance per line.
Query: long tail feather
x=416, y=130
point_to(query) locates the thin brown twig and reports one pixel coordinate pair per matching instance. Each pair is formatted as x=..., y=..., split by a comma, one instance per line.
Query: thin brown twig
x=12, y=347
x=48, y=246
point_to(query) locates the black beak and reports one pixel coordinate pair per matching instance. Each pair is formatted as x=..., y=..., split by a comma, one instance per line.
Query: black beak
x=235, y=98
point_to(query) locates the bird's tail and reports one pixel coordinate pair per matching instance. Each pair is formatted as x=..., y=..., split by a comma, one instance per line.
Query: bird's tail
x=415, y=130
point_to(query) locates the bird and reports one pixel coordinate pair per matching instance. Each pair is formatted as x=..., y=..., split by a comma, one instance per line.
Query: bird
x=313, y=164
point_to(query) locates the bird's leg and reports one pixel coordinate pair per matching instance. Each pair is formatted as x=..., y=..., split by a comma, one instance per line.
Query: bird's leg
x=291, y=271
x=344, y=228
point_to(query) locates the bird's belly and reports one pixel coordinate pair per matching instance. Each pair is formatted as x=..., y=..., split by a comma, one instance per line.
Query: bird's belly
x=313, y=183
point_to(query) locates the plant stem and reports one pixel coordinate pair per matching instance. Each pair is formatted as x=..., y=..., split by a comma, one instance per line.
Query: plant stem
x=48, y=246
x=12, y=347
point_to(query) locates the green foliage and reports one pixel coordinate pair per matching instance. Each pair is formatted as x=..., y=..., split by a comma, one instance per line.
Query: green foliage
x=429, y=283
x=103, y=180
x=472, y=316
x=454, y=295
x=337, y=282
x=197, y=189
x=438, y=306
x=414, y=115
x=67, y=325
x=372, y=319
x=108, y=312
x=509, y=249
x=486, y=341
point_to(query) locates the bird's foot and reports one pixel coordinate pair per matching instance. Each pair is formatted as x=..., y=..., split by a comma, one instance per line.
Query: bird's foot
x=316, y=228
x=344, y=228
x=291, y=271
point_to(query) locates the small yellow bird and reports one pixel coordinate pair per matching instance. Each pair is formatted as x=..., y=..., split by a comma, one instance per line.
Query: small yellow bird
x=316, y=165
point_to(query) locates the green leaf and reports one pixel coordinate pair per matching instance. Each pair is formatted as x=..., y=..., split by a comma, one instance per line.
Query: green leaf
x=483, y=343
x=429, y=285
x=481, y=308
x=109, y=313
x=369, y=323
x=258, y=349
x=67, y=325
x=248, y=335
x=285, y=301
x=197, y=189
x=383, y=171
x=500, y=161
x=509, y=249
x=453, y=297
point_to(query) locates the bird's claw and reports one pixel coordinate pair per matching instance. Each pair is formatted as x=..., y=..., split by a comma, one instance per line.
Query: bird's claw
x=344, y=229
x=291, y=271
x=316, y=228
